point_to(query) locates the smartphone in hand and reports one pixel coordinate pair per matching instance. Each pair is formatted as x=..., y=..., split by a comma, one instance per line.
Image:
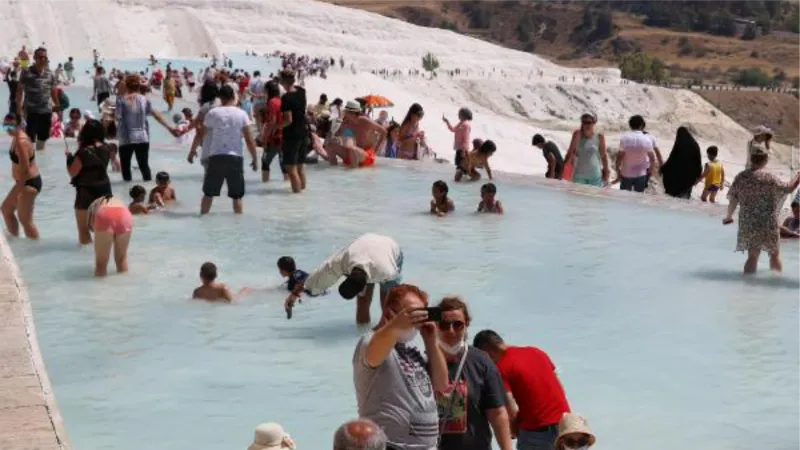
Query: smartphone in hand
x=434, y=314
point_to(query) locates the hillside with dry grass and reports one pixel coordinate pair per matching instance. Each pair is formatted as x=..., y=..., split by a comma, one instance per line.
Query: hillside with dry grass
x=583, y=34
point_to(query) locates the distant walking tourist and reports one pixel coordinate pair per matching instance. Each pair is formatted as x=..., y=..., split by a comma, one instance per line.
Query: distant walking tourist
x=587, y=154
x=368, y=260
x=134, y=133
x=636, y=156
x=112, y=223
x=36, y=91
x=294, y=146
x=101, y=89
x=536, y=399
x=87, y=169
x=551, y=153
x=69, y=70
x=761, y=135
x=759, y=195
x=18, y=205
x=227, y=125
x=359, y=434
x=713, y=175
x=395, y=382
x=683, y=167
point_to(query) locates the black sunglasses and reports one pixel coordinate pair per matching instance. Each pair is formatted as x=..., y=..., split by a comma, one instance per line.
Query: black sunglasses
x=457, y=325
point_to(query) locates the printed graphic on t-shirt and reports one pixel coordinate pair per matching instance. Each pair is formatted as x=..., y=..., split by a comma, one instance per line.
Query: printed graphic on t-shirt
x=453, y=408
x=413, y=365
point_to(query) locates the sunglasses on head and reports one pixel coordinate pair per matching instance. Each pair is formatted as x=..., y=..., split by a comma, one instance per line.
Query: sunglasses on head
x=456, y=325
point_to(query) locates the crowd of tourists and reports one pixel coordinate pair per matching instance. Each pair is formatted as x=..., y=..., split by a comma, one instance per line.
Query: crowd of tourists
x=452, y=395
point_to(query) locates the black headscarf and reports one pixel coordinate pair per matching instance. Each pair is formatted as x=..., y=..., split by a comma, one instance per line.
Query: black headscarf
x=684, y=165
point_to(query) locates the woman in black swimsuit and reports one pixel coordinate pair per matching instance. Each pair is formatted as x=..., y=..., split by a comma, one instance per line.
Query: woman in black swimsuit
x=88, y=169
x=18, y=206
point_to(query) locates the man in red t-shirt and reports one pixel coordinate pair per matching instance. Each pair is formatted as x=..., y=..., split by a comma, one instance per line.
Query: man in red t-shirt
x=272, y=131
x=537, y=399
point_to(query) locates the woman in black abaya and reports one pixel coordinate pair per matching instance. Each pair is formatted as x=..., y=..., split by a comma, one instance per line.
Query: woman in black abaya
x=683, y=167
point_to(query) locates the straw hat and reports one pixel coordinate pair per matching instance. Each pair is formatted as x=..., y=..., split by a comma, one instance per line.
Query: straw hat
x=573, y=424
x=271, y=436
x=352, y=106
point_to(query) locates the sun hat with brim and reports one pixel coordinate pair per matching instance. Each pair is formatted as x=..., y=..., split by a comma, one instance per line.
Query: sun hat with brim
x=352, y=106
x=270, y=436
x=573, y=424
x=761, y=130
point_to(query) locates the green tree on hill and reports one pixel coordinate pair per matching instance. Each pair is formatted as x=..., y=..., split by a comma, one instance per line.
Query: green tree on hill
x=640, y=66
x=430, y=63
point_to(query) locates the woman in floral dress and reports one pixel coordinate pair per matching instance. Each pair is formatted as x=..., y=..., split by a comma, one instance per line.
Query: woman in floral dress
x=760, y=194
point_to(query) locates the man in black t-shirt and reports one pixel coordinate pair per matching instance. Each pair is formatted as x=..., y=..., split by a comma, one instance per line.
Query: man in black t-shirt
x=295, y=134
x=551, y=153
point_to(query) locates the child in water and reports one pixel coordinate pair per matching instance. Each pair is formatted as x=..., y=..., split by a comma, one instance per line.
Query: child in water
x=288, y=269
x=440, y=204
x=210, y=289
x=488, y=203
x=138, y=206
x=476, y=159
x=163, y=192
x=713, y=175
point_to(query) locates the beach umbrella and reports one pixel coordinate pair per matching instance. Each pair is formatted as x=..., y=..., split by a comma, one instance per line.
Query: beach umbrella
x=376, y=101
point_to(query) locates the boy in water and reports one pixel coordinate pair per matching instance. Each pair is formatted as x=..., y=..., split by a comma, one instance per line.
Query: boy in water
x=296, y=278
x=210, y=289
x=137, y=205
x=713, y=175
x=163, y=192
x=488, y=203
x=791, y=226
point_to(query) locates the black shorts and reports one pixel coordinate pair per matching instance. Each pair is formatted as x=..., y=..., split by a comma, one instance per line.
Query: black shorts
x=269, y=154
x=293, y=151
x=228, y=169
x=461, y=155
x=37, y=126
x=85, y=195
x=102, y=96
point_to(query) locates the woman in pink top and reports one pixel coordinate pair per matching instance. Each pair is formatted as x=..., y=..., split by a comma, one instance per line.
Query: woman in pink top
x=112, y=223
x=462, y=131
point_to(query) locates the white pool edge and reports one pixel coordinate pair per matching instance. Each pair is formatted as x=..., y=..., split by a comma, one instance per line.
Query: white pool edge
x=25, y=319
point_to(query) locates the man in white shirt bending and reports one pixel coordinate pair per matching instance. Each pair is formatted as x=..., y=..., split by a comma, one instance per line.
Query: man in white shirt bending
x=226, y=126
x=636, y=156
x=369, y=259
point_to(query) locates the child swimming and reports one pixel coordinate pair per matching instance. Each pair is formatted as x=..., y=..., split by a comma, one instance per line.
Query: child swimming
x=440, y=204
x=477, y=158
x=137, y=205
x=210, y=289
x=713, y=175
x=163, y=192
x=488, y=203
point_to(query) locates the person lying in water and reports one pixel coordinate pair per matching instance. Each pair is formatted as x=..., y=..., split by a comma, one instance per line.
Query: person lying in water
x=163, y=192
x=489, y=204
x=440, y=204
x=137, y=205
x=356, y=140
x=211, y=290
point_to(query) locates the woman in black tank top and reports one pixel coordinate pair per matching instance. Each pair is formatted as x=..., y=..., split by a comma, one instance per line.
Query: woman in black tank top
x=18, y=206
x=88, y=170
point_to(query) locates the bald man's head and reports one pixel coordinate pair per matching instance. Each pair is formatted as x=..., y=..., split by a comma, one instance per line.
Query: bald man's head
x=359, y=434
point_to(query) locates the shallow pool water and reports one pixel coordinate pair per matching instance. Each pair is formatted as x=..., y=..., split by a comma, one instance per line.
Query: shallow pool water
x=659, y=340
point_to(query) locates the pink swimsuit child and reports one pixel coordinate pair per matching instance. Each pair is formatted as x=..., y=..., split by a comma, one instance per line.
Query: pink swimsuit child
x=114, y=219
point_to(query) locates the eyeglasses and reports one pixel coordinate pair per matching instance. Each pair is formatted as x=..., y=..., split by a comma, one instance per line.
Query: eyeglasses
x=457, y=325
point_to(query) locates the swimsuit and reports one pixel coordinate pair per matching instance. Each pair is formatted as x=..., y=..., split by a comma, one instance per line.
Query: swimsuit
x=116, y=219
x=35, y=182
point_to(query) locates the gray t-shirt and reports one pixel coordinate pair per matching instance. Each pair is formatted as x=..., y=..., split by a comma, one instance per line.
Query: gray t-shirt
x=102, y=85
x=37, y=87
x=398, y=396
x=205, y=146
x=132, y=125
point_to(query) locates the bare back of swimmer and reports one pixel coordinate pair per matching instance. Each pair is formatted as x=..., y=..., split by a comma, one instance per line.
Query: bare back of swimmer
x=357, y=139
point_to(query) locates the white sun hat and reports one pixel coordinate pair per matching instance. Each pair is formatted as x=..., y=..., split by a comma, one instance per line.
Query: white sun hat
x=271, y=436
